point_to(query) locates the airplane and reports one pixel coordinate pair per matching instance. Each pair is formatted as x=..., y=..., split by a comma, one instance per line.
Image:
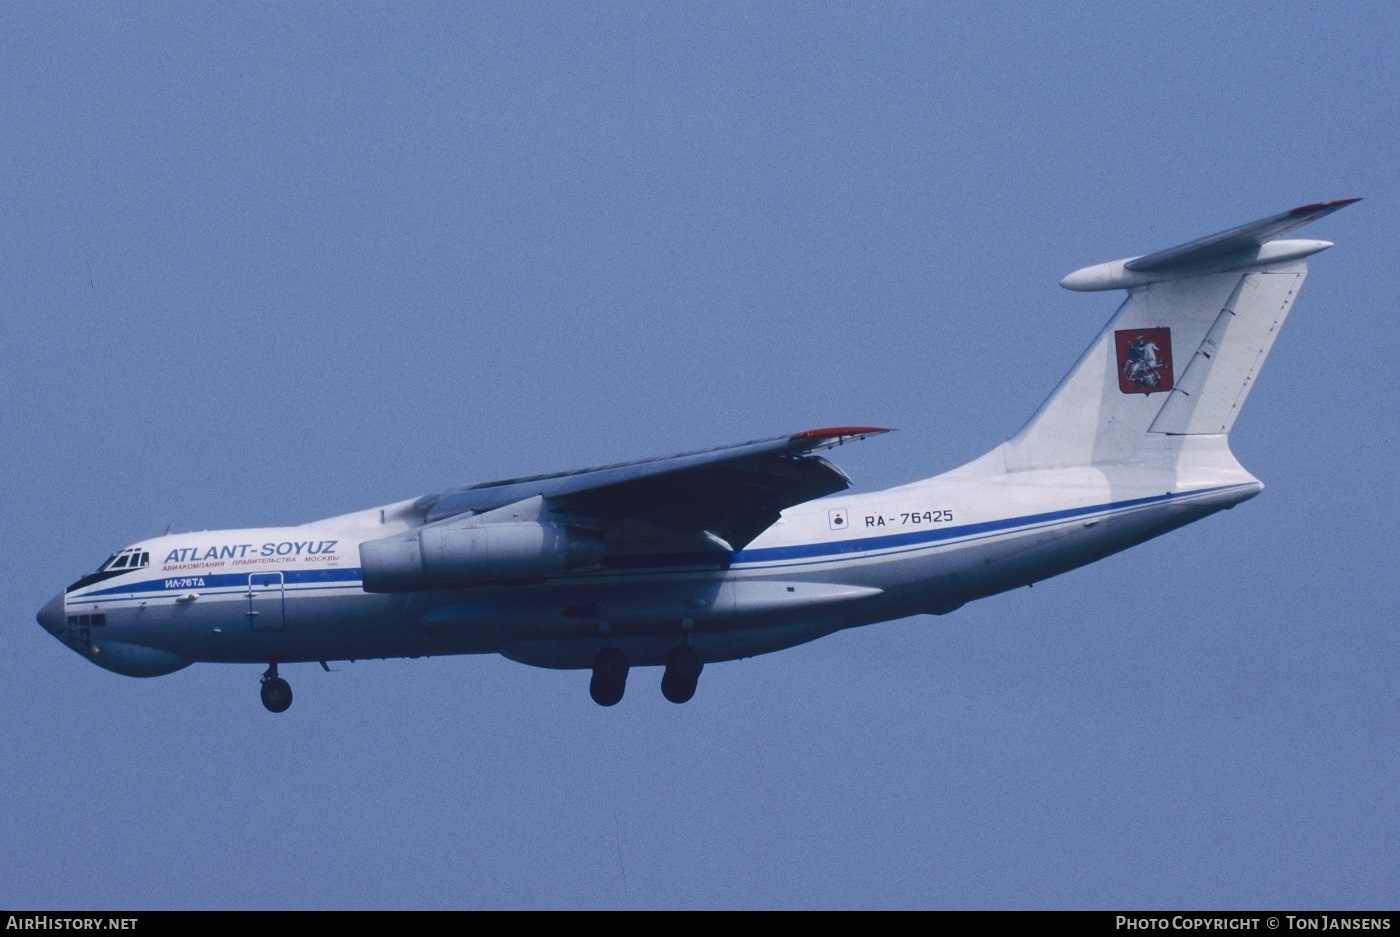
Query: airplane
x=726, y=553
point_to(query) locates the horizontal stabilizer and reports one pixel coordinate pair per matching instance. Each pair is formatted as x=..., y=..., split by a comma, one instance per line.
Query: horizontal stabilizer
x=1250, y=245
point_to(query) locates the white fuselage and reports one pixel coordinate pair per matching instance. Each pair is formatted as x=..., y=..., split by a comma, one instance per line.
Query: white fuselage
x=295, y=594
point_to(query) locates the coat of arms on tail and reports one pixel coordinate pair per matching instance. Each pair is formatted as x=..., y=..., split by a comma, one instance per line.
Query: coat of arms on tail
x=1144, y=360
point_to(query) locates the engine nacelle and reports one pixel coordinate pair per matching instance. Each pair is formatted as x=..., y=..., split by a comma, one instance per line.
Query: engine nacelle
x=460, y=554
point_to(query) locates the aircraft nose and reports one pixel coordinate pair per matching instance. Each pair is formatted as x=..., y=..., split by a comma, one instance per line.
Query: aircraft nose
x=51, y=616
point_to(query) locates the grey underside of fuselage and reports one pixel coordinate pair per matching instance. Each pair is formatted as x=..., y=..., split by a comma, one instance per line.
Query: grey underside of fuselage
x=563, y=623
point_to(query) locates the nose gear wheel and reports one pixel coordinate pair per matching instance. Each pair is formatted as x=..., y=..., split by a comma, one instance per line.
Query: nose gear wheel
x=276, y=692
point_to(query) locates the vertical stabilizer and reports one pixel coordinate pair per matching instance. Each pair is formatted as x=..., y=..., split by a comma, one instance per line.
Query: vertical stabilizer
x=1180, y=355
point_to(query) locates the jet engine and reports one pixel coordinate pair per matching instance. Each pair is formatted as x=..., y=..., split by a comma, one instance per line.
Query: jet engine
x=462, y=554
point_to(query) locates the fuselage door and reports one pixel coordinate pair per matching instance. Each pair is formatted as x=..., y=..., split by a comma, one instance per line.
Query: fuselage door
x=267, y=602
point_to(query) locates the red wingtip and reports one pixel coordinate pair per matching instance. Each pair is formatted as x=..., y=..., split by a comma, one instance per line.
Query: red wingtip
x=833, y=432
x=1320, y=206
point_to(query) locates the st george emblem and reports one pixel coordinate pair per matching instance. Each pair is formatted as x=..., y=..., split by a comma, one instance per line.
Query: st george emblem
x=1144, y=360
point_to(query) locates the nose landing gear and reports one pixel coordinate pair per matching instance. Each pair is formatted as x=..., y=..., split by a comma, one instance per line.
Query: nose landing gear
x=276, y=692
x=609, y=677
x=683, y=668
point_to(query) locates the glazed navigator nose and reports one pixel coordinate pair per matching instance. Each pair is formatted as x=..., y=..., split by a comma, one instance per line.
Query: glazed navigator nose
x=52, y=614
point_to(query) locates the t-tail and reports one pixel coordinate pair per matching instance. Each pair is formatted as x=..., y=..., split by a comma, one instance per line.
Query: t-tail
x=1163, y=382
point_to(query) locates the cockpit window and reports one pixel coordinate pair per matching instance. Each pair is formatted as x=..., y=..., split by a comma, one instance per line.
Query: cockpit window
x=125, y=561
x=118, y=563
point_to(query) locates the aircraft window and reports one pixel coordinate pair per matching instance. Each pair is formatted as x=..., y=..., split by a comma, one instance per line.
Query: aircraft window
x=117, y=564
x=126, y=560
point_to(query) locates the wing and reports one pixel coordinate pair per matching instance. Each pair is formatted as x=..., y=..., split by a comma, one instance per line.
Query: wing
x=730, y=492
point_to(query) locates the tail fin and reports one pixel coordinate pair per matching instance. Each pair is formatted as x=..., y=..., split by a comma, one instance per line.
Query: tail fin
x=1180, y=355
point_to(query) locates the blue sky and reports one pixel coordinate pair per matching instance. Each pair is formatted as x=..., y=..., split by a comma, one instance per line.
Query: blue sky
x=267, y=264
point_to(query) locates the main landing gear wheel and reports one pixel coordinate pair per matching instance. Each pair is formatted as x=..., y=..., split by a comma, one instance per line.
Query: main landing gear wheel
x=683, y=668
x=609, y=677
x=276, y=692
